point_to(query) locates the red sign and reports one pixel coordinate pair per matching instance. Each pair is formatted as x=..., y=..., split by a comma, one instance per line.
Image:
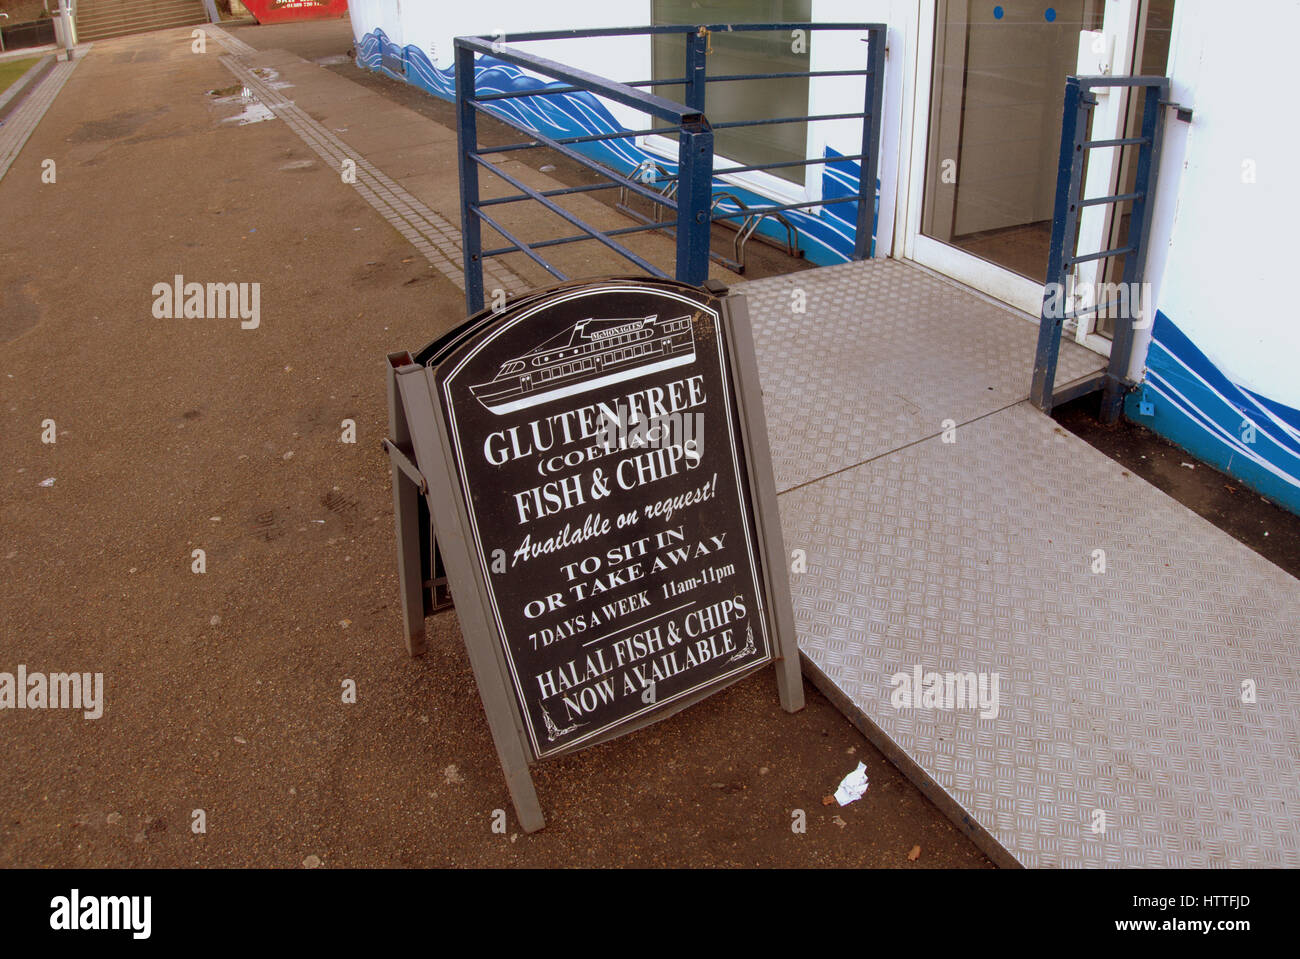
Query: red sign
x=283, y=11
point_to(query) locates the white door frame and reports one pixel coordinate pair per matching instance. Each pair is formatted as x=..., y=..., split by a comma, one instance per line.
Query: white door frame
x=1021, y=293
x=1120, y=41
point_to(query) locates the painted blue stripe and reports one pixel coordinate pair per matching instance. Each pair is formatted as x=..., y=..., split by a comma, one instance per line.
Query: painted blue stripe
x=1233, y=403
x=1177, y=343
x=1172, y=354
x=1203, y=409
x=1198, y=407
x=1171, y=422
x=1289, y=416
x=825, y=236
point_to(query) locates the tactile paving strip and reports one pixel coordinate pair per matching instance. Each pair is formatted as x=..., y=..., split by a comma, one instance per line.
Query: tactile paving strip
x=1119, y=691
x=23, y=120
x=881, y=355
x=430, y=233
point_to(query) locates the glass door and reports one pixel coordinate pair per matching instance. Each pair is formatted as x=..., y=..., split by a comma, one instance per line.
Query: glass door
x=987, y=130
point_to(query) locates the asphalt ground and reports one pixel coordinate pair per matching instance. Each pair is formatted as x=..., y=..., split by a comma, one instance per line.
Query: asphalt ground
x=223, y=689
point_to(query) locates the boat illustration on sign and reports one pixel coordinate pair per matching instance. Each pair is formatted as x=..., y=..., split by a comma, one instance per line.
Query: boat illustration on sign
x=590, y=354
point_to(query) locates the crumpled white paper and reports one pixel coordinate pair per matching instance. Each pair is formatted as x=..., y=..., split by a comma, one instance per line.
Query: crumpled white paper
x=853, y=786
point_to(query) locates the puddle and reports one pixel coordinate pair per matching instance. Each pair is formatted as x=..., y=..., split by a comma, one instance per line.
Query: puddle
x=271, y=78
x=252, y=110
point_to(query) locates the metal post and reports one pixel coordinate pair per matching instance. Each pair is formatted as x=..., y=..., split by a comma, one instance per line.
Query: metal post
x=694, y=194
x=696, y=45
x=1139, y=233
x=868, y=166
x=466, y=146
x=68, y=28
x=1065, y=215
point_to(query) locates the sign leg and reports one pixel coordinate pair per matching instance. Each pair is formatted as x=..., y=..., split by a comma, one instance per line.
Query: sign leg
x=789, y=680
x=406, y=508
x=767, y=517
x=406, y=517
x=523, y=794
x=449, y=525
x=439, y=588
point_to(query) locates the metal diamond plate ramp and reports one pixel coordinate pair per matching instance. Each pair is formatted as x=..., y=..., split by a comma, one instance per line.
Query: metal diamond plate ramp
x=881, y=355
x=1120, y=693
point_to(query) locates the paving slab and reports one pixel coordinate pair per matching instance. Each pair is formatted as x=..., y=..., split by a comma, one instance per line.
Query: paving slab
x=27, y=113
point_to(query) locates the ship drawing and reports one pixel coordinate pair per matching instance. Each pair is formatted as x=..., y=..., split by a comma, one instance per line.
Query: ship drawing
x=591, y=353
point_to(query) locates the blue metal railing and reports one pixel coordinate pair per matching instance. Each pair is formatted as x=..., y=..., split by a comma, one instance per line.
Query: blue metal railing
x=1080, y=100
x=684, y=202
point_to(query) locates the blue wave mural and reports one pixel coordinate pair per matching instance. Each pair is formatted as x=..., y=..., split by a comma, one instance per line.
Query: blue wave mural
x=1192, y=403
x=826, y=235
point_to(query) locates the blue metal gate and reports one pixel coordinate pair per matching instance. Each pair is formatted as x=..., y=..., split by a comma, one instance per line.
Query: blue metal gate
x=687, y=199
x=1064, y=255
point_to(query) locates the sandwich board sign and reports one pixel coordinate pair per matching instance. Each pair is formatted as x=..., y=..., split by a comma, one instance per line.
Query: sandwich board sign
x=600, y=506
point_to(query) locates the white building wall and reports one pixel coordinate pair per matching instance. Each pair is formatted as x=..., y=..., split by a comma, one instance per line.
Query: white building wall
x=826, y=232
x=1223, y=247
x=1223, y=356
x=836, y=51
x=1220, y=367
x=432, y=27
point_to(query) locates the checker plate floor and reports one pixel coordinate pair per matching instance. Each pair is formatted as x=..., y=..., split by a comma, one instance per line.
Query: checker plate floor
x=1120, y=693
x=883, y=353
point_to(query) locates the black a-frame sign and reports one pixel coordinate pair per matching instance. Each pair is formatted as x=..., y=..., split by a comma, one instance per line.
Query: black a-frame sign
x=597, y=483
